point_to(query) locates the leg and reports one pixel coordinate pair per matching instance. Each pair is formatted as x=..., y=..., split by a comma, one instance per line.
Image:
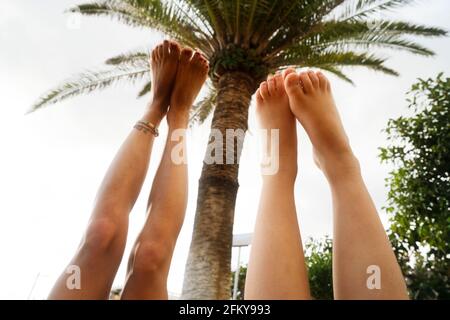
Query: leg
x=150, y=261
x=102, y=247
x=359, y=237
x=277, y=267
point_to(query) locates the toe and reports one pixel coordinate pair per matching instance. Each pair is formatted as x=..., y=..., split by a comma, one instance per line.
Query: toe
x=155, y=53
x=259, y=98
x=279, y=82
x=200, y=60
x=287, y=72
x=264, y=90
x=314, y=79
x=174, y=49
x=166, y=50
x=292, y=85
x=306, y=82
x=197, y=57
x=186, y=55
x=205, y=63
x=271, y=85
x=204, y=60
x=160, y=52
x=323, y=81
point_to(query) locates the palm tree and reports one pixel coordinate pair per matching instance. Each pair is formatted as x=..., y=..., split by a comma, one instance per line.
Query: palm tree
x=244, y=40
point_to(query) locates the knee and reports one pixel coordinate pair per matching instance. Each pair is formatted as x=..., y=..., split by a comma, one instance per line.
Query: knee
x=101, y=236
x=150, y=257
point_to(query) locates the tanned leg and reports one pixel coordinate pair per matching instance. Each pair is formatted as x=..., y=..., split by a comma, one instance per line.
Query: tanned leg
x=360, y=241
x=150, y=261
x=102, y=246
x=277, y=267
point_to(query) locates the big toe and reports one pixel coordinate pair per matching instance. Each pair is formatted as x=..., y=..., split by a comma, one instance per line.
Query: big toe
x=174, y=49
x=292, y=85
x=287, y=72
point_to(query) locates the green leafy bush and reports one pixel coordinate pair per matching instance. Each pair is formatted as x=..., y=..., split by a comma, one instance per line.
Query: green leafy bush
x=419, y=196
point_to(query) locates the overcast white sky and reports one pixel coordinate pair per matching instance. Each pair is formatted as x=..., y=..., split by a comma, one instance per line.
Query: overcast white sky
x=52, y=161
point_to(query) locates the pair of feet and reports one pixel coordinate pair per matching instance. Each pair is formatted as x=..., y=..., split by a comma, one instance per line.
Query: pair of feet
x=307, y=97
x=177, y=77
x=179, y=74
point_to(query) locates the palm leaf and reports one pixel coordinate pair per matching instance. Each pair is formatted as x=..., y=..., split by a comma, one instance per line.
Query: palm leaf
x=146, y=89
x=349, y=59
x=130, y=58
x=337, y=72
x=165, y=16
x=204, y=107
x=90, y=81
x=362, y=9
x=296, y=19
x=384, y=41
x=333, y=58
x=387, y=34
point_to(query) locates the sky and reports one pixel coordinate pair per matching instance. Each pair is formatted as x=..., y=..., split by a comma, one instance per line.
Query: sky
x=52, y=161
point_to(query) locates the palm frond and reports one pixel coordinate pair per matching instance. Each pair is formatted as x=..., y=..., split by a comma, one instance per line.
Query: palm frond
x=350, y=59
x=204, y=107
x=330, y=58
x=136, y=58
x=363, y=9
x=253, y=12
x=215, y=18
x=114, y=9
x=146, y=89
x=130, y=58
x=90, y=81
x=344, y=29
x=275, y=22
x=353, y=35
x=165, y=16
x=296, y=19
x=337, y=72
x=384, y=42
x=402, y=27
x=386, y=35
x=210, y=11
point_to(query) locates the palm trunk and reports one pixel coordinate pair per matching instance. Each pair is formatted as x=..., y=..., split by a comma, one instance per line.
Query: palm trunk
x=208, y=269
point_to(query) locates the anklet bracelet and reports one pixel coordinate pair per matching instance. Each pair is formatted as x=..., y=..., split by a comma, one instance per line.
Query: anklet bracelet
x=147, y=127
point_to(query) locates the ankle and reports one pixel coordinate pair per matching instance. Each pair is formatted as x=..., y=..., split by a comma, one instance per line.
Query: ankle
x=154, y=113
x=280, y=179
x=282, y=173
x=176, y=119
x=340, y=167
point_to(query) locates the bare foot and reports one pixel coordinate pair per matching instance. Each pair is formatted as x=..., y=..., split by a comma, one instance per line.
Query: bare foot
x=192, y=73
x=164, y=62
x=313, y=105
x=274, y=113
